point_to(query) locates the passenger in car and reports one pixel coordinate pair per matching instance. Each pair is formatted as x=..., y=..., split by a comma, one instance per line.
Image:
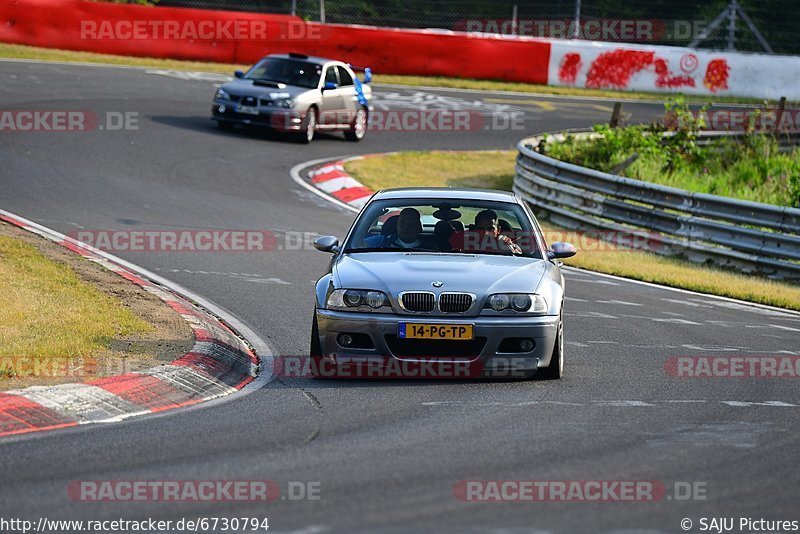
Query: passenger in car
x=484, y=236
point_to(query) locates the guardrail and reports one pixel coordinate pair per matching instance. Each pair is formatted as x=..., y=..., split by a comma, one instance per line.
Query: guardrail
x=749, y=236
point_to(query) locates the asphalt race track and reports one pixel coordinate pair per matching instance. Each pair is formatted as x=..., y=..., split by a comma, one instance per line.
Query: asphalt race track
x=387, y=454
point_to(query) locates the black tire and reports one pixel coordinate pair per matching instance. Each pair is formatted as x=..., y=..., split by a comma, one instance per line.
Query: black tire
x=225, y=125
x=309, y=126
x=555, y=371
x=358, y=129
x=315, y=351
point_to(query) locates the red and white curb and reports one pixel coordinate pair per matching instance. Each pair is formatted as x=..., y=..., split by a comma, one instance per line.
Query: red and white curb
x=327, y=178
x=219, y=363
x=332, y=179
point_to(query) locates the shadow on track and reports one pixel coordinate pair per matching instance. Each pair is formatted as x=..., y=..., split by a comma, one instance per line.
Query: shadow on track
x=206, y=124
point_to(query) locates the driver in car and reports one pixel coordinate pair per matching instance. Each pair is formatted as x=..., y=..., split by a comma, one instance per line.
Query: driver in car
x=409, y=227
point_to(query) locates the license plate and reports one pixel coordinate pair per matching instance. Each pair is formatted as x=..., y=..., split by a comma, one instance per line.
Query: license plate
x=458, y=332
x=247, y=110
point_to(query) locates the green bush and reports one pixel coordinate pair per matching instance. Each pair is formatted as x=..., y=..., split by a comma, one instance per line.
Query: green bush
x=753, y=169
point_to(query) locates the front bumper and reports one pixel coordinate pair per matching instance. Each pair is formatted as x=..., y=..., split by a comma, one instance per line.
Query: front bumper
x=485, y=350
x=281, y=119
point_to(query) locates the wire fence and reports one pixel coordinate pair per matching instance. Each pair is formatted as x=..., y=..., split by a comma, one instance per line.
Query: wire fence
x=661, y=22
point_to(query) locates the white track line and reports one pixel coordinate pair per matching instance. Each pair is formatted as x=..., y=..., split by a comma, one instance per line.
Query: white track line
x=294, y=172
x=685, y=291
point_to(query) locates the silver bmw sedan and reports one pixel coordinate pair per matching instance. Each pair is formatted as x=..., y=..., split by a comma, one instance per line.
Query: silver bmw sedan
x=450, y=276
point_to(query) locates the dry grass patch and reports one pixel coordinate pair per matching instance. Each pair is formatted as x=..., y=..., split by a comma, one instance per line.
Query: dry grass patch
x=66, y=319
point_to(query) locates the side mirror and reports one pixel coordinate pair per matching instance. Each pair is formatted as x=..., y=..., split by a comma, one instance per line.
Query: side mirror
x=328, y=86
x=327, y=243
x=239, y=74
x=560, y=249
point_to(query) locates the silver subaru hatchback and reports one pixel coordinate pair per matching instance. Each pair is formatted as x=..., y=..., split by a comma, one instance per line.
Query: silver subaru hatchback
x=297, y=94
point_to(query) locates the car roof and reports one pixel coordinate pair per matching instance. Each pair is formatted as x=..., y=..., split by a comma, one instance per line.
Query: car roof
x=444, y=193
x=303, y=57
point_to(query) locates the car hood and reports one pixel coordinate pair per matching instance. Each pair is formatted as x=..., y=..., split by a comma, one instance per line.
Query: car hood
x=481, y=274
x=248, y=88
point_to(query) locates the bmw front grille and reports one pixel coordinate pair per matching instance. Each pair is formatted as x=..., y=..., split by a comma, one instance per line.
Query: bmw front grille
x=418, y=301
x=455, y=302
x=425, y=302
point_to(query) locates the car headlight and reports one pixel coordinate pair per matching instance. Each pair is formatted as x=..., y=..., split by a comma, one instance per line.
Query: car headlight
x=517, y=302
x=282, y=99
x=222, y=93
x=358, y=300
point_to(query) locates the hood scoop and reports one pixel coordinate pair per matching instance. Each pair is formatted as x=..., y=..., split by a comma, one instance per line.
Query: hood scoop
x=267, y=83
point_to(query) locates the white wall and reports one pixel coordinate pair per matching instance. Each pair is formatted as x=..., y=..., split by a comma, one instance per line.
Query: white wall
x=672, y=70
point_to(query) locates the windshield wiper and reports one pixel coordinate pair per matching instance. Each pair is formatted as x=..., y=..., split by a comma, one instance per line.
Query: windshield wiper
x=507, y=253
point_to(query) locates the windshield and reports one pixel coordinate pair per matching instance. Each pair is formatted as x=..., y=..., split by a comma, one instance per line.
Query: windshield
x=286, y=71
x=451, y=226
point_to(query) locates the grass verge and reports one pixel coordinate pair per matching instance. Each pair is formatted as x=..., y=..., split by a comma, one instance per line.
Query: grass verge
x=65, y=319
x=494, y=169
x=29, y=52
x=48, y=311
x=12, y=51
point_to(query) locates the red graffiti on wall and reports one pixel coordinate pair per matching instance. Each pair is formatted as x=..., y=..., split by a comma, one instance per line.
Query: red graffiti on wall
x=669, y=80
x=616, y=68
x=717, y=75
x=568, y=69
